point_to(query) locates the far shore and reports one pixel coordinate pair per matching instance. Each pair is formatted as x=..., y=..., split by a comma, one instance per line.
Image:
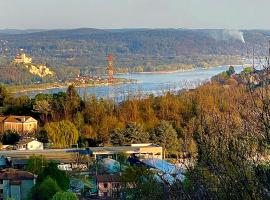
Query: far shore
x=51, y=86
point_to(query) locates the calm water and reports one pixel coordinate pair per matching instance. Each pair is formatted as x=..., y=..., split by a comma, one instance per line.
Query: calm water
x=147, y=84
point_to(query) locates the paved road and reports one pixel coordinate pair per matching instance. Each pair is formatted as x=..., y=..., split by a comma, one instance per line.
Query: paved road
x=51, y=154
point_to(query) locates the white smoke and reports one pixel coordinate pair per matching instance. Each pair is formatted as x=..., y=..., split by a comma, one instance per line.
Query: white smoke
x=227, y=34
x=234, y=34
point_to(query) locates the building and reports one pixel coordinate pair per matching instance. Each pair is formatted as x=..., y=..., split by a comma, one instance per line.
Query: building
x=19, y=124
x=22, y=58
x=108, y=186
x=141, y=151
x=16, y=184
x=29, y=144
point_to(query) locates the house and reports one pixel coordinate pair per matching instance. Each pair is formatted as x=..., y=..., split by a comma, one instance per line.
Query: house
x=16, y=184
x=29, y=144
x=19, y=124
x=108, y=186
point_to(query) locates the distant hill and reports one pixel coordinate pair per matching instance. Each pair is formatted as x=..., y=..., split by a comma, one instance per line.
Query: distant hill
x=16, y=31
x=88, y=47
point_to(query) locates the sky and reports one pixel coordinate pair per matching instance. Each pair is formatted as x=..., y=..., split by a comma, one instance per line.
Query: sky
x=115, y=14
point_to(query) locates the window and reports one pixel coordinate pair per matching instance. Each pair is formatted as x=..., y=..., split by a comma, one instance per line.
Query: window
x=1, y=191
x=105, y=185
x=1, y=181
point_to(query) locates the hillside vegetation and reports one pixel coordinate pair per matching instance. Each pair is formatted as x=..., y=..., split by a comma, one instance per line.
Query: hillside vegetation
x=132, y=48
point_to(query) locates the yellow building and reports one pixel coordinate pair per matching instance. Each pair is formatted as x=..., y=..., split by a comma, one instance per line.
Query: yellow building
x=19, y=124
x=22, y=58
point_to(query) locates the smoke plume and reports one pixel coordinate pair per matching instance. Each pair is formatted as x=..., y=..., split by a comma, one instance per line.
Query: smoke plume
x=228, y=35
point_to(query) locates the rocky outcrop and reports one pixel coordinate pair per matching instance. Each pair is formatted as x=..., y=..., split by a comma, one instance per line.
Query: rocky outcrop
x=39, y=70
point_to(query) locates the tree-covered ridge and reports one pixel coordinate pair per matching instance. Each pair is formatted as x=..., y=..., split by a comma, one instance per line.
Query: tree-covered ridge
x=132, y=48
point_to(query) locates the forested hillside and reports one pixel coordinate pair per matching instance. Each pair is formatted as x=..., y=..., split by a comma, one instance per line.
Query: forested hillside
x=135, y=47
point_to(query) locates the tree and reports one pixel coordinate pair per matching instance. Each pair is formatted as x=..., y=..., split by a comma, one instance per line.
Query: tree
x=51, y=170
x=230, y=71
x=46, y=190
x=42, y=136
x=117, y=137
x=36, y=164
x=134, y=133
x=73, y=100
x=10, y=138
x=140, y=183
x=62, y=134
x=165, y=135
x=43, y=107
x=4, y=95
x=65, y=196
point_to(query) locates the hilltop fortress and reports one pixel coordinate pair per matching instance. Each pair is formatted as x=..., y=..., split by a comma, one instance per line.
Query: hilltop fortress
x=36, y=69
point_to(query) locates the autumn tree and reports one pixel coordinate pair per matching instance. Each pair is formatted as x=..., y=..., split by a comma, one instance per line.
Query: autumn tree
x=62, y=134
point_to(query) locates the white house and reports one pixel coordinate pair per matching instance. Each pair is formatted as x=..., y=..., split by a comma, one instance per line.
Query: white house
x=29, y=144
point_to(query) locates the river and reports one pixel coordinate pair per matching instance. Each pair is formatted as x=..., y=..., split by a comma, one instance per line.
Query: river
x=148, y=83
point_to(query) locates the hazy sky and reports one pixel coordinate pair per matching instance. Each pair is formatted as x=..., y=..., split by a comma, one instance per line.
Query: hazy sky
x=233, y=14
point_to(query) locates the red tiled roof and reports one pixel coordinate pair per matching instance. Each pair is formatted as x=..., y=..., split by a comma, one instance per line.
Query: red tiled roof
x=15, y=175
x=107, y=178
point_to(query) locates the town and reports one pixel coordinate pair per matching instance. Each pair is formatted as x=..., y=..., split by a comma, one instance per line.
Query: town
x=134, y=100
x=104, y=182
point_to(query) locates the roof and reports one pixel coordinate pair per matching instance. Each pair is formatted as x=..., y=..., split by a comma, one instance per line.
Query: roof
x=15, y=175
x=18, y=119
x=107, y=178
x=123, y=149
x=2, y=118
x=26, y=141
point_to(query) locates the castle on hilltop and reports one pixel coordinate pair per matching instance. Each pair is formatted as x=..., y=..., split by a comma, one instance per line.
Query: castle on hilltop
x=22, y=58
x=40, y=70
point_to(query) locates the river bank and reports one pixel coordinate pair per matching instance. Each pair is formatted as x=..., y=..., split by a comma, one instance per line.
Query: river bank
x=19, y=89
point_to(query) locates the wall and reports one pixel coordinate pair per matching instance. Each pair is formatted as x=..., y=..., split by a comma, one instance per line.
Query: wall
x=34, y=145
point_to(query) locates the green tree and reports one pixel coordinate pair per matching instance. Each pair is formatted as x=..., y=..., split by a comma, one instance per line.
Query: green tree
x=46, y=190
x=230, y=71
x=36, y=164
x=62, y=134
x=165, y=135
x=10, y=138
x=42, y=136
x=140, y=183
x=117, y=137
x=51, y=170
x=134, y=133
x=4, y=95
x=65, y=196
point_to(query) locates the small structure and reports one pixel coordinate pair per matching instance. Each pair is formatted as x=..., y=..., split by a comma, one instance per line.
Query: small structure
x=3, y=162
x=108, y=186
x=16, y=184
x=29, y=144
x=142, y=151
x=22, y=58
x=19, y=124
